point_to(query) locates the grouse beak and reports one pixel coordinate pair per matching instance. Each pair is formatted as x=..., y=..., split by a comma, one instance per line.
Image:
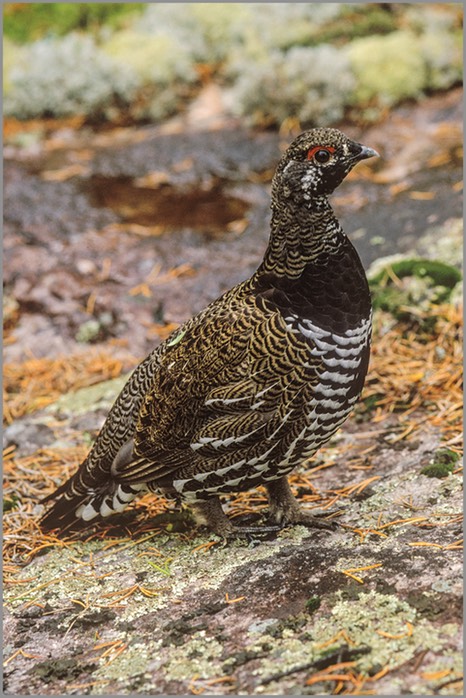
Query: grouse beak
x=367, y=153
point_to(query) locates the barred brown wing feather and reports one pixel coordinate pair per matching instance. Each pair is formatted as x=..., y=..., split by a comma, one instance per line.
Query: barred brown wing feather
x=254, y=387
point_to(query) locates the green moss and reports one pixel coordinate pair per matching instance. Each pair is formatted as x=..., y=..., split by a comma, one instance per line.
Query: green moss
x=443, y=463
x=398, y=283
x=371, y=402
x=446, y=456
x=390, y=299
x=356, y=21
x=437, y=470
x=10, y=503
x=312, y=604
x=440, y=273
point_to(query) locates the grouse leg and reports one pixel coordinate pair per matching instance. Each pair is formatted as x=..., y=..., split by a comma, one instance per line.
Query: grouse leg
x=284, y=509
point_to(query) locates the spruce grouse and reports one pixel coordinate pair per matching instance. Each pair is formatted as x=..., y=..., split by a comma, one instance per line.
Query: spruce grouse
x=253, y=385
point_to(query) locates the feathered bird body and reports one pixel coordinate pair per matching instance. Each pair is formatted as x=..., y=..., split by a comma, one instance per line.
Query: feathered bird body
x=245, y=391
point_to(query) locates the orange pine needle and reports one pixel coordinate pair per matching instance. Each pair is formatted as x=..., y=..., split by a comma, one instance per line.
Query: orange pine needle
x=341, y=634
x=236, y=600
x=436, y=675
x=400, y=636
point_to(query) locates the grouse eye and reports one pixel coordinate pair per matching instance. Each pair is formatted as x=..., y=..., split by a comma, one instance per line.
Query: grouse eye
x=320, y=154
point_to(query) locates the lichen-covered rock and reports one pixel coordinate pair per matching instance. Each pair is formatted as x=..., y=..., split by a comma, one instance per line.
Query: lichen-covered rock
x=171, y=613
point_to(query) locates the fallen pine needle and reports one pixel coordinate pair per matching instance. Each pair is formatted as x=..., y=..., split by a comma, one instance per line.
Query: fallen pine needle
x=329, y=677
x=353, y=576
x=23, y=654
x=422, y=195
x=425, y=544
x=80, y=686
x=456, y=545
x=205, y=546
x=117, y=653
x=228, y=600
x=340, y=634
x=350, y=572
x=366, y=567
x=435, y=675
x=400, y=636
x=398, y=522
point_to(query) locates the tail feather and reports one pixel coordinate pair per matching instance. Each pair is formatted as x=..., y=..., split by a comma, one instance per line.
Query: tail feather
x=89, y=494
x=71, y=510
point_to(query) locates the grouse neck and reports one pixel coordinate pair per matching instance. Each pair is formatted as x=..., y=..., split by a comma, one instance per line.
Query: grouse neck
x=300, y=233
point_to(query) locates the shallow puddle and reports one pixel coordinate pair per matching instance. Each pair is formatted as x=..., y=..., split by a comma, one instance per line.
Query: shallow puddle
x=167, y=207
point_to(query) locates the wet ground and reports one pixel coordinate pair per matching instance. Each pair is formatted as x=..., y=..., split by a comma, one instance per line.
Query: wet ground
x=119, y=233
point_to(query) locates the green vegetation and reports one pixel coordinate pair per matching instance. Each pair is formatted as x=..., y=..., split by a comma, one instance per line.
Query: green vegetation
x=361, y=20
x=313, y=62
x=399, y=283
x=388, y=68
x=403, y=65
x=296, y=83
x=10, y=503
x=313, y=604
x=443, y=463
x=23, y=22
x=61, y=77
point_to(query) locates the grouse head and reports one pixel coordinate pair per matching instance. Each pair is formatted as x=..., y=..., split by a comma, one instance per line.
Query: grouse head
x=316, y=162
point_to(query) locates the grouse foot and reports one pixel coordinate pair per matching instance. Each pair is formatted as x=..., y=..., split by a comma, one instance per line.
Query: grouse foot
x=285, y=510
x=212, y=515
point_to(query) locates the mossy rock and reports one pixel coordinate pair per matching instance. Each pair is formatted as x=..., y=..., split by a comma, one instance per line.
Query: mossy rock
x=441, y=274
x=443, y=463
x=432, y=282
x=89, y=399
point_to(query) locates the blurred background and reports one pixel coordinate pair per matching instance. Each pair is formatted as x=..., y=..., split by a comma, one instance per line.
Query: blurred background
x=140, y=142
x=276, y=62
